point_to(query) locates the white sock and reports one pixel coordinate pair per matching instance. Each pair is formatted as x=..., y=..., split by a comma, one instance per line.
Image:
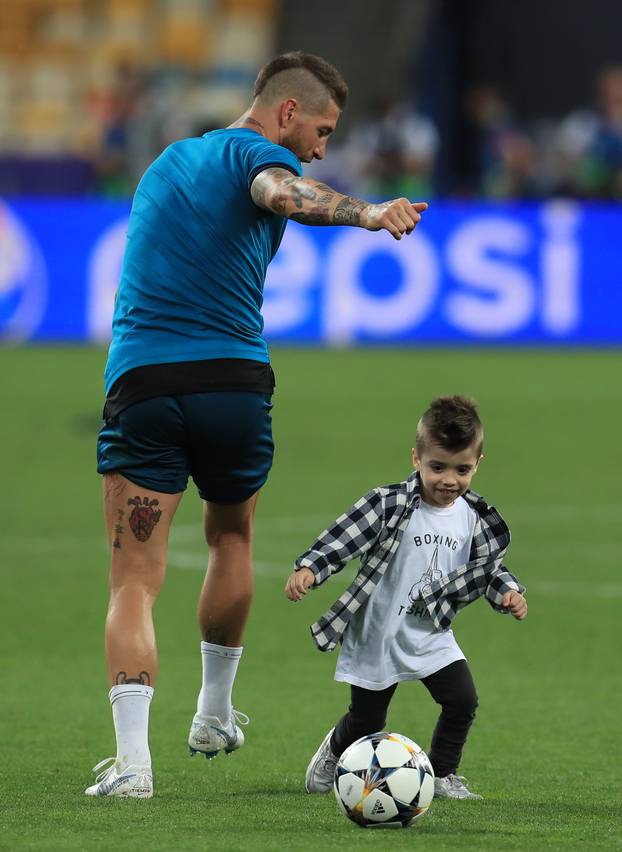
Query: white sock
x=130, y=712
x=220, y=665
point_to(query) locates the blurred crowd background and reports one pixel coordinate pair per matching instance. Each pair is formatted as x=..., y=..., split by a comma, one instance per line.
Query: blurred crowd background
x=454, y=98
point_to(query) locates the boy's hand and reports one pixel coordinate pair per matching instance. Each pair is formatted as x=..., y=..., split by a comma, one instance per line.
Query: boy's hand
x=298, y=584
x=516, y=604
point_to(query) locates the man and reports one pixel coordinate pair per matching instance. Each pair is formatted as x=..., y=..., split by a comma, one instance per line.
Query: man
x=189, y=384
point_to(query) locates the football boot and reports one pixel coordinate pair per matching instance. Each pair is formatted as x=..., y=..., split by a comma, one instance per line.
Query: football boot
x=134, y=782
x=209, y=735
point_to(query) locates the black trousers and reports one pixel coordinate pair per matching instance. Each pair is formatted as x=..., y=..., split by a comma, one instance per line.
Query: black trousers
x=452, y=687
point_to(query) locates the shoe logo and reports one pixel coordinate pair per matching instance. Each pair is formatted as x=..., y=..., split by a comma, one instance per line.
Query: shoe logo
x=378, y=808
x=230, y=739
x=106, y=788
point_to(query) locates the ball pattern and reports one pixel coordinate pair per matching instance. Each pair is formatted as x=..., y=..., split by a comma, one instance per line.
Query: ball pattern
x=384, y=779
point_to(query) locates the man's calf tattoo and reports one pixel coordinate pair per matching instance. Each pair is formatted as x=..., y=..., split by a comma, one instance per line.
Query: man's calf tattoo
x=143, y=678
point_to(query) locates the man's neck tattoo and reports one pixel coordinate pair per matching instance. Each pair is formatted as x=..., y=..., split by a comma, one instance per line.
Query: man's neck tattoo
x=249, y=120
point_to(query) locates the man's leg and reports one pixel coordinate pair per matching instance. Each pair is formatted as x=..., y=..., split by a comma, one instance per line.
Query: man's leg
x=137, y=522
x=225, y=600
x=224, y=605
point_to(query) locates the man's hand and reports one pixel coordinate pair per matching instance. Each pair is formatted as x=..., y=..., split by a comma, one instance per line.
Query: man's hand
x=516, y=604
x=398, y=217
x=299, y=583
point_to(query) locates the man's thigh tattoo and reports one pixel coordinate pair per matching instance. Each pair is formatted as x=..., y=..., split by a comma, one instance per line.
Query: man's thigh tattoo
x=143, y=517
x=114, y=486
x=119, y=529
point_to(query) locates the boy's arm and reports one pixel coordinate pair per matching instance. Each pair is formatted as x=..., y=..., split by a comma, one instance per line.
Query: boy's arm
x=491, y=539
x=515, y=604
x=349, y=537
x=298, y=583
x=504, y=592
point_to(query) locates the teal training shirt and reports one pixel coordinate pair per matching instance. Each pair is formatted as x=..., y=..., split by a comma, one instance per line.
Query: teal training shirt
x=197, y=253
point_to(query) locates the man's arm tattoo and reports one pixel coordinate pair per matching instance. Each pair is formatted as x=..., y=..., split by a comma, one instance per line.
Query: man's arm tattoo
x=316, y=216
x=258, y=192
x=265, y=181
x=307, y=201
x=279, y=203
x=348, y=211
x=300, y=192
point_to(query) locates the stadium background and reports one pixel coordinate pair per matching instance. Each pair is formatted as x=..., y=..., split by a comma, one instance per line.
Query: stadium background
x=508, y=118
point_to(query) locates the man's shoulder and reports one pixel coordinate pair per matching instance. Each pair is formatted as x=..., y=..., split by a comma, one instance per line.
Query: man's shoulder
x=243, y=139
x=227, y=139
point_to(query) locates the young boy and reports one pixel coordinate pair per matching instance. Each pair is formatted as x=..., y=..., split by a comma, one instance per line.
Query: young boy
x=428, y=547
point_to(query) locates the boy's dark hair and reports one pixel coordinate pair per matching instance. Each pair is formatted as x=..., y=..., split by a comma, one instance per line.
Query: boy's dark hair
x=302, y=75
x=453, y=423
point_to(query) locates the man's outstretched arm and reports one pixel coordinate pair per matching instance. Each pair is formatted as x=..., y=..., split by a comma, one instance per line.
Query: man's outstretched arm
x=314, y=203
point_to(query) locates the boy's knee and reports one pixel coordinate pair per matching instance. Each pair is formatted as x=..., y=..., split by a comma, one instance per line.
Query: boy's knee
x=470, y=707
x=371, y=721
x=463, y=705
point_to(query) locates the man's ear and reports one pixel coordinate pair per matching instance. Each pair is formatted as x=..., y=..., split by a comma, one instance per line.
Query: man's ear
x=287, y=111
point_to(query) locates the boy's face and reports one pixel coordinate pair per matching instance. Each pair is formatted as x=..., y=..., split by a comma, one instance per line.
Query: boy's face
x=445, y=474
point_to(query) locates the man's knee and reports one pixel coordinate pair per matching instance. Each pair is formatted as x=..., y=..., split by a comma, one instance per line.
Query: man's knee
x=229, y=524
x=141, y=571
x=229, y=529
x=231, y=536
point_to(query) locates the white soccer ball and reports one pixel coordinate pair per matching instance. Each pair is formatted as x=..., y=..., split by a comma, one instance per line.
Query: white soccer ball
x=384, y=780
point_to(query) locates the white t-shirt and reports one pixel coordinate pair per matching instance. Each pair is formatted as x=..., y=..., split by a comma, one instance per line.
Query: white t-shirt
x=393, y=638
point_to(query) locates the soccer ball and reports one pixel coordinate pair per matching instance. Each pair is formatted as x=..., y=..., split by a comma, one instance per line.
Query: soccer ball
x=384, y=780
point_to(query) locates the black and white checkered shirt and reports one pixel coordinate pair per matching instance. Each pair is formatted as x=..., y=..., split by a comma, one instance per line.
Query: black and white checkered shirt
x=372, y=530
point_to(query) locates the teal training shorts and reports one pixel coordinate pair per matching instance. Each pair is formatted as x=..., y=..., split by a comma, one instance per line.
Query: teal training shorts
x=222, y=439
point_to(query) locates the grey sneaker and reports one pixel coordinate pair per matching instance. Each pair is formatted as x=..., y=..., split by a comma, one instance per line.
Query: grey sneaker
x=321, y=771
x=453, y=787
x=208, y=735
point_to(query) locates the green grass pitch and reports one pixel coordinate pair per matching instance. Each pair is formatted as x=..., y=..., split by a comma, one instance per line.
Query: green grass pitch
x=545, y=748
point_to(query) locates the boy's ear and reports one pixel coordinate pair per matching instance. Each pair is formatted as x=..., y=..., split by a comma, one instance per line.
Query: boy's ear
x=477, y=463
x=416, y=459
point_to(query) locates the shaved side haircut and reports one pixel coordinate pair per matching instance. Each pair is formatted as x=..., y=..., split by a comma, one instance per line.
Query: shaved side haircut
x=308, y=78
x=451, y=422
